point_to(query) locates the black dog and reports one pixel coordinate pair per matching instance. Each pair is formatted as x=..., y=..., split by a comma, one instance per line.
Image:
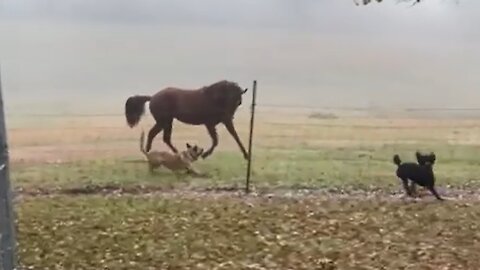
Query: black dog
x=421, y=173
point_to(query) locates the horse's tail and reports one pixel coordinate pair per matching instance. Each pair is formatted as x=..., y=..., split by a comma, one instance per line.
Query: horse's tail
x=135, y=108
x=397, y=160
x=142, y=142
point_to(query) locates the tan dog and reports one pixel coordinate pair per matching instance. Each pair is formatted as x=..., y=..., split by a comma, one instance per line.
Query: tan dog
x=173, y=162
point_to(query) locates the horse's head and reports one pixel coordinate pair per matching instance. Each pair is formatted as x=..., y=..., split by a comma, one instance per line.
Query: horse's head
x=237, y=95
x=226, y=94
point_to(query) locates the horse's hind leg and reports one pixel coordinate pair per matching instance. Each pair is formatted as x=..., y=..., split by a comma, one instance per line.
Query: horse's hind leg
x=151, y=135
x=212, y=131
x=167, y=134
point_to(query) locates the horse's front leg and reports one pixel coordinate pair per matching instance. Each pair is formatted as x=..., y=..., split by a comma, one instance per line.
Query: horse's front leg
x=212, y=131
x=231, y=129
x=167, y=135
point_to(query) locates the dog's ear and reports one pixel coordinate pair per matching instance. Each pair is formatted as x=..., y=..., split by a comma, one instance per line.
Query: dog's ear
x=433, y=156
x=421, y=159
x=418, y=155
x=188, y=145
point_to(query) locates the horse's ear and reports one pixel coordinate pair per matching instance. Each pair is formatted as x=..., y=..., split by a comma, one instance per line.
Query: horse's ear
x=244, y=91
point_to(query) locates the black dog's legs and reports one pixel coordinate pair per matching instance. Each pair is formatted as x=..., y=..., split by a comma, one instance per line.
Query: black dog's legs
x=405, y=186
x=434, y=192
x=413, y=188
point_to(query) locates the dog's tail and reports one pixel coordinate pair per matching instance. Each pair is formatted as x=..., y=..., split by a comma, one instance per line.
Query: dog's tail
x=142, y=142
x=397, y=160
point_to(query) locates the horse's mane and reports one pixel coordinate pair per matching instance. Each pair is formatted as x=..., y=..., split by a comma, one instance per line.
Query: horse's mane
x=221, y=84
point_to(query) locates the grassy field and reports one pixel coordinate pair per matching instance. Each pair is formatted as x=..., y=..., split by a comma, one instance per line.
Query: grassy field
x=326, y=196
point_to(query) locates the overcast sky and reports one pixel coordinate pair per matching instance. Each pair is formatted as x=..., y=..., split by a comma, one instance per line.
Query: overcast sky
x=325, y=52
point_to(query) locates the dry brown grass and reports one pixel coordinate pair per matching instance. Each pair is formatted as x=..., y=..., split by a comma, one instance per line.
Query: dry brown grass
x=246, y=233
x=85, y=138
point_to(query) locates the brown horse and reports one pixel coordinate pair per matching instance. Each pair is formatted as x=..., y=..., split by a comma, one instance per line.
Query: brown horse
x=209, y=106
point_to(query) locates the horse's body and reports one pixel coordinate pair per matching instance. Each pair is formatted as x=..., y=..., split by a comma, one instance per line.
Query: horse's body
x=209, y=106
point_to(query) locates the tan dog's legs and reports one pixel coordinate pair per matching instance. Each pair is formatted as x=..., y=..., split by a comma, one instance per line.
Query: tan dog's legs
x=192, y=171
x=150, y=168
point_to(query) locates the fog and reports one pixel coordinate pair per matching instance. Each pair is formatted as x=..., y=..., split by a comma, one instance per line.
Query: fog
x=71, y=55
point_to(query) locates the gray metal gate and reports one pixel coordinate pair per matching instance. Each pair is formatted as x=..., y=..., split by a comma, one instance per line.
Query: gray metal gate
x=7, y=232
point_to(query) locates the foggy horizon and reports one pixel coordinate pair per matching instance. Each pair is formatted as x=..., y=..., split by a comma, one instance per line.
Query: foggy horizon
x=312, y=53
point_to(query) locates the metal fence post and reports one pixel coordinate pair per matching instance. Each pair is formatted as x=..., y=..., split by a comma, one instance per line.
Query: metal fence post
x=7, y=232
x=252, y=118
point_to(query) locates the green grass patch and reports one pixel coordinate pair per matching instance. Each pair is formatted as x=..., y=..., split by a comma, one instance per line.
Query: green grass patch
x=356, y=167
